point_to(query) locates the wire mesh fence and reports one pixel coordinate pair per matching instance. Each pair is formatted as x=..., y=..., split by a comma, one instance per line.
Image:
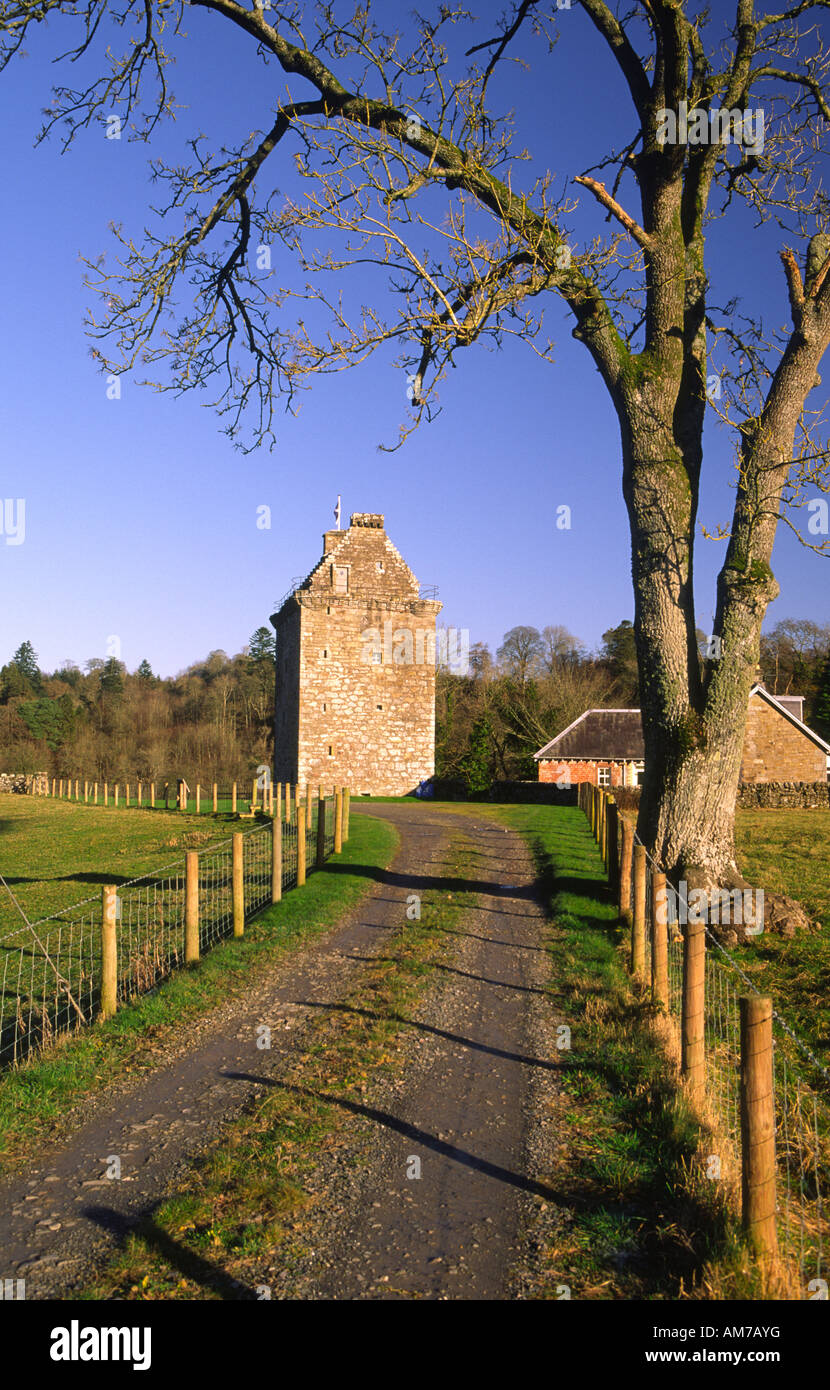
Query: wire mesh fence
x=799, y=1080
x=51, y=969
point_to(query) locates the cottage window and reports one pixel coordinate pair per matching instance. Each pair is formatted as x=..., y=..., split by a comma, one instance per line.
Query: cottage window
x=603, y=776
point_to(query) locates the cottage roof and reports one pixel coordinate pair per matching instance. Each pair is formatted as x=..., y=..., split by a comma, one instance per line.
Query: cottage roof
x=599, y=733
x=617, y=734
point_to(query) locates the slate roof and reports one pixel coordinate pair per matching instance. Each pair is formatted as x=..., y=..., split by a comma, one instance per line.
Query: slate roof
x=616, y=735
x=599, y=733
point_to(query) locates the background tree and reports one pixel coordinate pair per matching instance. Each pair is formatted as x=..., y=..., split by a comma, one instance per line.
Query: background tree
x=404, y=164
x=619, y=657
x=521, y=652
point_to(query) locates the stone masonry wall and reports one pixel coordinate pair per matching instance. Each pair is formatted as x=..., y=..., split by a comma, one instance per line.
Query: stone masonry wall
x=23, y=782
x=775, y=749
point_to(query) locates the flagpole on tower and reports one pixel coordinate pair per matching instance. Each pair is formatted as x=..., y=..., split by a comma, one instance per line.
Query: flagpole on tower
x=337, y=512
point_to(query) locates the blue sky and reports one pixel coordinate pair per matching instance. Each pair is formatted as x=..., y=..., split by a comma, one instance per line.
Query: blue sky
x=140, y=514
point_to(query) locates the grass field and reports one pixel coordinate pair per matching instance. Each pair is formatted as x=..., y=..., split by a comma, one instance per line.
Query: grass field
x=56, y=853
x=789, y=852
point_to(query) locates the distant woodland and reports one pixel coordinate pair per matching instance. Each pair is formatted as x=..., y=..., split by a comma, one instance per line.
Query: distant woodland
x=212, y=721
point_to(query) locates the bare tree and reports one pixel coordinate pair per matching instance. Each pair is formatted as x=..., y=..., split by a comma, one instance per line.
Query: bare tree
x=560, y=647
x=520, y=654
x=400, y=162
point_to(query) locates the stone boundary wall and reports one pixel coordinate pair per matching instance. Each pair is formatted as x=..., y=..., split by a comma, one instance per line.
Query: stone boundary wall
x=24, y=783
x=753, y=796
x=777, y=795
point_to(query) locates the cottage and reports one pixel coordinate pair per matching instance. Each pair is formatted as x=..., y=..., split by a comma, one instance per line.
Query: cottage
x=605, y=746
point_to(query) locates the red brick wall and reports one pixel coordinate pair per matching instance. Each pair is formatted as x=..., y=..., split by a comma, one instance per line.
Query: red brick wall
x=580, y=771
x=776, y=751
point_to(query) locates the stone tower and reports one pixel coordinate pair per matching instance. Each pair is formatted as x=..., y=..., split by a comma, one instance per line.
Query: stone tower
x=355, y=691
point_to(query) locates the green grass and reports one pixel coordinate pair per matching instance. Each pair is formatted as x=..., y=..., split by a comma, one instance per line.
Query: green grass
x=788, y=852
x=56, y=853
x=37, y=1100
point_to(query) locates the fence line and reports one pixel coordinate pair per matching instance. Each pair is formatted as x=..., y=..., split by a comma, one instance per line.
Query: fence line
x=175, y=794
x=758, y=1085
x=107, y=950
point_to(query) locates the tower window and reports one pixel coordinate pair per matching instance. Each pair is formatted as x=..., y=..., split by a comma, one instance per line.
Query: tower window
x=380, y=706
x=377, y=658
x=380, y=567
x=331, y=751
x=340, y=579
x=324, y=706
x=325, y=651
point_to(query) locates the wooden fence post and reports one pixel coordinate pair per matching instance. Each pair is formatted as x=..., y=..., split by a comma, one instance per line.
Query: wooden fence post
x=338, y=821
x=638, y=930
x=109, y=952
x=233, y=798
x=152, y=793
x=347, y=797
x=106, y=793
x=238, y=885
x=276, y=859
x=288, y=803
x=692, y=1058
x=60, y=789
x=626, y=858
x=613, y=844
x=302, y=832
x=95, y=798
x=86, y=792
x=167, y=796
x=758, y=1124
x=116, y=793
x=127, y=794
x=308, y=805
x=139, y=793
x=198, y=799
x=215, y=798
x=276, y=807
x=77, y=789
x=659, y=941
x=253, y=795
x=321, y=828
x=191, y=907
